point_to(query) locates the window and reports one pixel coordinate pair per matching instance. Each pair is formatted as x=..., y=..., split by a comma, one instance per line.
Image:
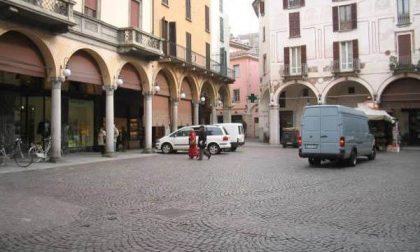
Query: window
x=404, y=49
x=207, y=18
x=295, y=61
x=256, y=120
x=403, y=12
x=294, y=25
x=135, y=17
x=262, y=8
x=263, y=33
x=288, y=4
x=351, y=90
x=183, y=132
x=236, y=95
x=91, y=8
x=222, y=30
x=282, y=99
x=221, y=5
x=345, y=17
x=165, y=2
x=207, y=56
x=305, y=92
x=346, y=56
x=236, y=70
x=265, y=64
x=188, y=47
x=188, y=9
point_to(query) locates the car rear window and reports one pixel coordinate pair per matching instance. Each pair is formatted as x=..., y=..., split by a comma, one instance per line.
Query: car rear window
x=241, y=130
x=214, y=131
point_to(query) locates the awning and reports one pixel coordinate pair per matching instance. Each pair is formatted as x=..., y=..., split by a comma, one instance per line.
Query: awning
x=375, y=114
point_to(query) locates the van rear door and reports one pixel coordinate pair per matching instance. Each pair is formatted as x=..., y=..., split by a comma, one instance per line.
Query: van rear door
x=311, y=128
x=330, y=130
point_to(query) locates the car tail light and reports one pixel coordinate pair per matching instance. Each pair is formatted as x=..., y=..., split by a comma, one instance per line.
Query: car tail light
x=342, y=141
x=225, y=138
x=299, y=140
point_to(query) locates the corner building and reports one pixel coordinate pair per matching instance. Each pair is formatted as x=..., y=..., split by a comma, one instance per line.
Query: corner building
x=67, y=68
x=338, y=52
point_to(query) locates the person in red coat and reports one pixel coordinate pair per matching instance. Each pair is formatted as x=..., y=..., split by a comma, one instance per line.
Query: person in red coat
x=193, y=150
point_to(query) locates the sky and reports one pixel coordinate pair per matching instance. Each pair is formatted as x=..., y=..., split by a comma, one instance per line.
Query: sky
x=242, y=18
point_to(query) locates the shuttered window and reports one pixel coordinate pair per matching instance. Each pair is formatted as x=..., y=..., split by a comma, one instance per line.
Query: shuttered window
x=404, y=49
x=91, y=8
x=288, y=4
x=294, y=25
x=344, y=17
x=135, y=14
x=262, y=8
x=222, y=30
x=207, y=18
x=188, y=9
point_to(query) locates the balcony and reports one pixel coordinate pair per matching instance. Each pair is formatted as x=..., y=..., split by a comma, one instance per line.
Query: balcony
x=295, y=73
x=403, y=18
x=343, y=69
x=54, y=15
x=187, y=58
x=134, y=41
x=403, y=64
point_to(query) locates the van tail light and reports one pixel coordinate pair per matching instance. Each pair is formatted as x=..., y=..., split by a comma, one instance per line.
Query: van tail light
x=342, y=141
x=225, y=138
x=299, y=140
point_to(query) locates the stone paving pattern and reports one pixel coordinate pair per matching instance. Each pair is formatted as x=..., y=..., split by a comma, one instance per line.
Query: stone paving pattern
x=258, y=199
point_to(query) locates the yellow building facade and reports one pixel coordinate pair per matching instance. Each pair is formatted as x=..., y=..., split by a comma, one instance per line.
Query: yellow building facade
x=69, y=68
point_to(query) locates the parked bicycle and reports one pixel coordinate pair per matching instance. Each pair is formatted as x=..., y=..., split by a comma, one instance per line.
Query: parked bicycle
x=38, y=152
x=22, y=158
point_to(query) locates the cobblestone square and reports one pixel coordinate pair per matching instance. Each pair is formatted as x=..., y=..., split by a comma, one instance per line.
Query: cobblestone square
x=260, y=198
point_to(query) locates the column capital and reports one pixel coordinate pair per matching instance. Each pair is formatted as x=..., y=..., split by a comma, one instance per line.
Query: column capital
x=56, y=83
x=274, y=107
x=148, y=93
x=174, y=99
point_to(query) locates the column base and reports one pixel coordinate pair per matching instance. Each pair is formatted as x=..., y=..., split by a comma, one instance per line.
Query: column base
x=54, y=159
x=109, y=154
x=148, y=150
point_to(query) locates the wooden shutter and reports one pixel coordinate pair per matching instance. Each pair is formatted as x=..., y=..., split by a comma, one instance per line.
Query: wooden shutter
x=335, y=18
x=303, y=54
x=355, y=49
x=302, y=3
x=404, y=49
x=188, y=45
x=285, y=4
x=207, y=16
x=135, y=14
x=286, y=56
x=262, y=8
x=336, y=51
x=294, y=24
x=91, y=4
x=207, y=56
x=172, y=38
x=354, y=15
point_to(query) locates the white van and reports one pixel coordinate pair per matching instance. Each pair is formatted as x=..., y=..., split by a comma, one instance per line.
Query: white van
x=334, y=132
x=236, y=132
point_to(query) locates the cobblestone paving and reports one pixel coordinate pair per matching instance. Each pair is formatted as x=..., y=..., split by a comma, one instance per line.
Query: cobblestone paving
x=258, y=199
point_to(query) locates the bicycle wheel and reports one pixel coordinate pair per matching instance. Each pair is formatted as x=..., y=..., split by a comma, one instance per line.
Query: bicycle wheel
x=33, y=152
x=23, y=159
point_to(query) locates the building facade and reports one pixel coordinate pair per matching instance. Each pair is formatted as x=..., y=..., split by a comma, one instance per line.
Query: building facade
x=245, y=89
x=68, y=68
x=338, y=52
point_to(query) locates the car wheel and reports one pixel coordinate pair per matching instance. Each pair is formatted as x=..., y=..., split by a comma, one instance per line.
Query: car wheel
x=213, y=148
x=233, y=149
x=352, y=161
x=314, y=161
x=284, y=146
x=372, y=155
x=166, y=148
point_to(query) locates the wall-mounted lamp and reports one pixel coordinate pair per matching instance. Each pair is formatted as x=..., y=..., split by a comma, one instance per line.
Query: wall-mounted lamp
x=203, y=99
x=156, y=88
x=65, y=70
x=183, y=95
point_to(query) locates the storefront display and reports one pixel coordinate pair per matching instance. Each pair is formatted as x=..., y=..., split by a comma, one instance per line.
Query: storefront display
x=81, y=124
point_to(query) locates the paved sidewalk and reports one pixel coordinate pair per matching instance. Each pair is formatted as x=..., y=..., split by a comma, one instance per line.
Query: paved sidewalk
x=73, y=159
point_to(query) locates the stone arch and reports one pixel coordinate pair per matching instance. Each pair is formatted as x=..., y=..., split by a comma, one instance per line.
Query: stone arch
x=51, y=62
x=276, y=96
x=225, y=95
x=392, y=79
x=207, y=86
x=193, y=87
x=346, y=79
x=145, y=83
x=103, y=67
x=171, y=80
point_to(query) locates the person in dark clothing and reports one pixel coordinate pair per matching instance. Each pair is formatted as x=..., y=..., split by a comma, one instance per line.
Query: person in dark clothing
x=202, y=142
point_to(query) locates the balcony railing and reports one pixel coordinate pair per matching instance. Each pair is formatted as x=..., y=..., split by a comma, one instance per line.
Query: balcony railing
x=56, y=15
x=403, y=64
x=351, y=67
x=403, y=18
x=295, y=72
x=186, y=55
x=294, y=3
x=133, y=39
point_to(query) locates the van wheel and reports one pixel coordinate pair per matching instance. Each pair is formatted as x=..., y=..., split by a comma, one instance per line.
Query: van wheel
x=314, y=161
x=213, y=149
x=352, y=161
x=372, y=155
x=166, y=148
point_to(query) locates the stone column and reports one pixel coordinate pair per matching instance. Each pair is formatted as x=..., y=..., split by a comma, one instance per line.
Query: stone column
x=174, y=106
x=213, y=115
x=56, y=120
x=196, y=119
x=227, y=114
x=274, y=124
x=148, y=114
x=109, y=122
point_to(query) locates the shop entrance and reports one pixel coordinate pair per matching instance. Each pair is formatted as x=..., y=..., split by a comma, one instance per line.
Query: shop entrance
x=414, y=126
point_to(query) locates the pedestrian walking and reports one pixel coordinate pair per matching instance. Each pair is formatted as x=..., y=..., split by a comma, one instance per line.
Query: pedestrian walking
x=193, y=150
x=101, y=140
x=202, y=143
